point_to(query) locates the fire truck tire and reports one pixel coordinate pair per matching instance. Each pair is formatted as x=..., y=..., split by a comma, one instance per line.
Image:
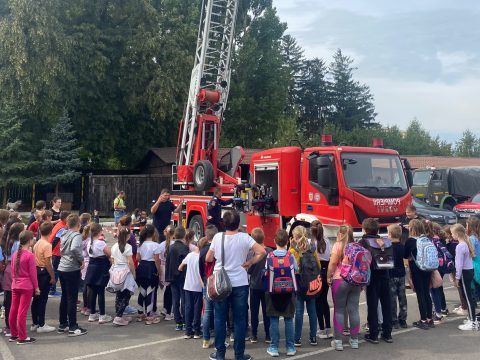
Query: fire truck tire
x=196, y=224
x=203, y=175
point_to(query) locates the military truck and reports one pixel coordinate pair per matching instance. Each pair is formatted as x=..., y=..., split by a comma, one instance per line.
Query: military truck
x=446, y=187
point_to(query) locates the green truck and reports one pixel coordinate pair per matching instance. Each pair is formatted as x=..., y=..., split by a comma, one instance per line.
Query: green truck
x=446, y=187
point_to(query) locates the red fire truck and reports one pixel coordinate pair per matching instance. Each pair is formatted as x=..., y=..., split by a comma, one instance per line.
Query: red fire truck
x=285, y=186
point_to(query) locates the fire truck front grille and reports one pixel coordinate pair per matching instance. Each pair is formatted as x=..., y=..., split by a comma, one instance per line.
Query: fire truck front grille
x=381, y=219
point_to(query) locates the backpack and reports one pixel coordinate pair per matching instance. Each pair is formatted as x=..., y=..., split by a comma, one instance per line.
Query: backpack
x=427, y=254
x=310, y=279
x=280, y=274
x=382, y=256
x=355, y=266
x=446, y=264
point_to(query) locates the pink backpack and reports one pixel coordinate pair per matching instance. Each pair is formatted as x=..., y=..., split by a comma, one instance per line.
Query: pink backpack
x=355, y=267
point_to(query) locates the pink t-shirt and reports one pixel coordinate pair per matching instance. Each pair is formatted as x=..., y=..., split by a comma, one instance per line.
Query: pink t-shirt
x=338, y=252
x=26, y=278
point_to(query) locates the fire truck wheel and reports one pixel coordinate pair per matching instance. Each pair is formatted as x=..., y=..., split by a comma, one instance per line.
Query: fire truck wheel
x=203, y=175
x=196, y=224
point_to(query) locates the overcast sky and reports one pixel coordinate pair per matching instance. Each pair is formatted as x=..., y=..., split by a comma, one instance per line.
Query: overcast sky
x=421, y=58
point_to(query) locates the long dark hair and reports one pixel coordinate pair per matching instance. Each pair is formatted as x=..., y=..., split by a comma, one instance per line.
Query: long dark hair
x=13, y=235
x=147, y=232
x=9, y=224
x=25, y=237
x=95, y=230
x=123, y=235
x=317, y=235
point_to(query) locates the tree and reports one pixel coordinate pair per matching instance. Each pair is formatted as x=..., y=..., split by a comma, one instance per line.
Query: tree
x=60, y=154
x=468, y=145
x=417, y=139
x=352, y=102
x=293, y=57
x=18, y=163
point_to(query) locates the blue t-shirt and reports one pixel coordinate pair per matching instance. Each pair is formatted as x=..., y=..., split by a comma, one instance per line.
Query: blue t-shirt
x=1, y=255
x=15, y=247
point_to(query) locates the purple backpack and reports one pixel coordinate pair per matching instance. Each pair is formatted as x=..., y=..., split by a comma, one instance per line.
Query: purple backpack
x=355, y=267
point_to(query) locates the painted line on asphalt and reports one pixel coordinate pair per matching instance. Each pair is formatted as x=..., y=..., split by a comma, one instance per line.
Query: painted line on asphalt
x=5, y=352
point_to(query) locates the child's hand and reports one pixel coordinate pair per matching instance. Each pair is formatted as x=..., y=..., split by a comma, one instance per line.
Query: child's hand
x=37, y=292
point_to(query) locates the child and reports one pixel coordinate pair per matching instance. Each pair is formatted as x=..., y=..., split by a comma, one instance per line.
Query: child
x=193, y=295
x=24, y=285
x=281, y=304
x=97, y=275
x=464, y=273
x=45, y=276
x=177, y=252
x=300, y=248
x=122, y=276
x=10, y=245
x=397, y=278
x=167, y=291
x=148, y=271
x=189, y=238
x=257, y=291
x=323, y=248
x=85, y=231
x=473, y=231
x=438, y=295
x=34, y=226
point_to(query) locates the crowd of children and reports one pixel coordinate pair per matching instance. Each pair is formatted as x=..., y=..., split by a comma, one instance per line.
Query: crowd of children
x=281, y=281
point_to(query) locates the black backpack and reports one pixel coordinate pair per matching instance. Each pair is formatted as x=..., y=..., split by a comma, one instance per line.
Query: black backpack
x=310, y=279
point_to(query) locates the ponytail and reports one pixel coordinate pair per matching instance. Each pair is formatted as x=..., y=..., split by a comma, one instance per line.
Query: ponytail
x=25, y=237
x=123, y=233
x=317, y=235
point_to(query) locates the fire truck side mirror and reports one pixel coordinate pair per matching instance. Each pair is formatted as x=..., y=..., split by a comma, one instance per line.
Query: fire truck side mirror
x=409, y=175
x=323, y=176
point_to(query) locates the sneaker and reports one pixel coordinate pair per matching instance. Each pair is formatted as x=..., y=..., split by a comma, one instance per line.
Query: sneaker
x=430, y=323
x=232, y=337
x=93, y=317
x=103, y=319
x=83, y=310
x=179, y=327
x=396, y=325
x=156, y=319
x=298, y=343
x=403, y=324
x=387, y=339
x=325, y=334
x=291, y=351
x=28, y=340
x=169, y=317
x=184, y=327
x=459, y=311
x=197, y=336
x=45, y=329
x=127, y=318
x=33, y=327
x=272, y=352
x=437, y=319
x=245, y=357
x=353, y=343
x=188, y=336
x=337, y=345
x=268, y=340
x=469, y=325
x=205, y=344
x=253, y=339
x=215, y=356
x=77, y=332
x=54, y=294
x=346, y=331
x=421, y=324
x=120, y=321
x=149, y=320
x=370, y=339
x=313, y=341
x=13, y=338
x=130, y=310
x=141, y=317
x=445, y=312
x=62, y=329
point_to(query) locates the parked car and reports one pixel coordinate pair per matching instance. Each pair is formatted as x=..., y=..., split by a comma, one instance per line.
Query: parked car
x=468, y=208
x=440, y=216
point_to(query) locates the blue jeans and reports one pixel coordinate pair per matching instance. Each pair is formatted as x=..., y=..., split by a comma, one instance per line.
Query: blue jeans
x=55, y=263
x=207, y=321
x=178, y=301
x=193, y=311
x=275, y=333
x=238, y=300
x=312, y=316
x=117, y=214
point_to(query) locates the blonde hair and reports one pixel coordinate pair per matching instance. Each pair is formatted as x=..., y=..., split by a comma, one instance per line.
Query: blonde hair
x=299, y=234
x=395, y=231
x=345, y=235
x=415, y=228
x=258, y=235
x=461, y=232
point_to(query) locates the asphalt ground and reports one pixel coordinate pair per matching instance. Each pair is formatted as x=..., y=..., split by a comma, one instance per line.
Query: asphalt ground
x=161, y=341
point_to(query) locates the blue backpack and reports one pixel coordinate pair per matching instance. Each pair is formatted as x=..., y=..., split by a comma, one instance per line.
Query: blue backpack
x=427, y=254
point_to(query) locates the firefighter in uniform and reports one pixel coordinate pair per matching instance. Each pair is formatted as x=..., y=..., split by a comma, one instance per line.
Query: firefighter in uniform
x=214, y=209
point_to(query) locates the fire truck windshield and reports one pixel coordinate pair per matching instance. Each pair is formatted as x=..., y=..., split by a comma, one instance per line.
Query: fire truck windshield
x=374, y=174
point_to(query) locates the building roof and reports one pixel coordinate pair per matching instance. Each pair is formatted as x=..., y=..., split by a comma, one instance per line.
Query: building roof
x=419, y=161
x=169, y=154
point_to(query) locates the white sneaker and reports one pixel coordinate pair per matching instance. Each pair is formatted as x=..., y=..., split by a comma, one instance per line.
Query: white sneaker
x=45, y=329
x=34, y=327
x=469, y=325
x=324, y=334
x=169, y=317
x=93, y=317
x=459, y=311
x=103, y=319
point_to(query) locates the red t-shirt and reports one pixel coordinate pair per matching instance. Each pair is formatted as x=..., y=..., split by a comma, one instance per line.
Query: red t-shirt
x=34, y=228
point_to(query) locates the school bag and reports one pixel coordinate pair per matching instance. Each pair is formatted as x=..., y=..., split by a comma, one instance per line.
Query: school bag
x=446, y=264
x=476, y=259
x=382, y=256
x=355, y=266
x=427, y=254
x=310, y=279
x=219, y=286
x=280, y=274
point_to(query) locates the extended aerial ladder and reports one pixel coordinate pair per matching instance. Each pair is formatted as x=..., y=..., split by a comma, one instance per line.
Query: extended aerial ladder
x=197, y=164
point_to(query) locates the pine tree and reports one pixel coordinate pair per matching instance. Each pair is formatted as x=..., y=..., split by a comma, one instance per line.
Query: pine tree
x=293, y=57
x=60, y=154
x=17, y=163
x=468, y=145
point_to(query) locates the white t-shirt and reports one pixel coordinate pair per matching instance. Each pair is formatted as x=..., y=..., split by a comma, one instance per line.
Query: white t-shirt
x=193, y=281
x=236, y=250
x=118, y=257
x=162, y=248
x=148, y=249
x=97, y=247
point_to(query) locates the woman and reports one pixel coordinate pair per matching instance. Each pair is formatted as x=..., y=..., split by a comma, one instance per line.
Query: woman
x=345, y=296
x=300, y=246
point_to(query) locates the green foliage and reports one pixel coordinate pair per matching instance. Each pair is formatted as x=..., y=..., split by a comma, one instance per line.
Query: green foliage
x=60, y=153
x=468, y=145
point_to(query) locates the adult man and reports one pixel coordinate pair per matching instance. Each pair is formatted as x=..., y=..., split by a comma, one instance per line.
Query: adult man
x=119, y=206
x=162, y=212
x=54, y=239
x=69, y=273
x=214, y=209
